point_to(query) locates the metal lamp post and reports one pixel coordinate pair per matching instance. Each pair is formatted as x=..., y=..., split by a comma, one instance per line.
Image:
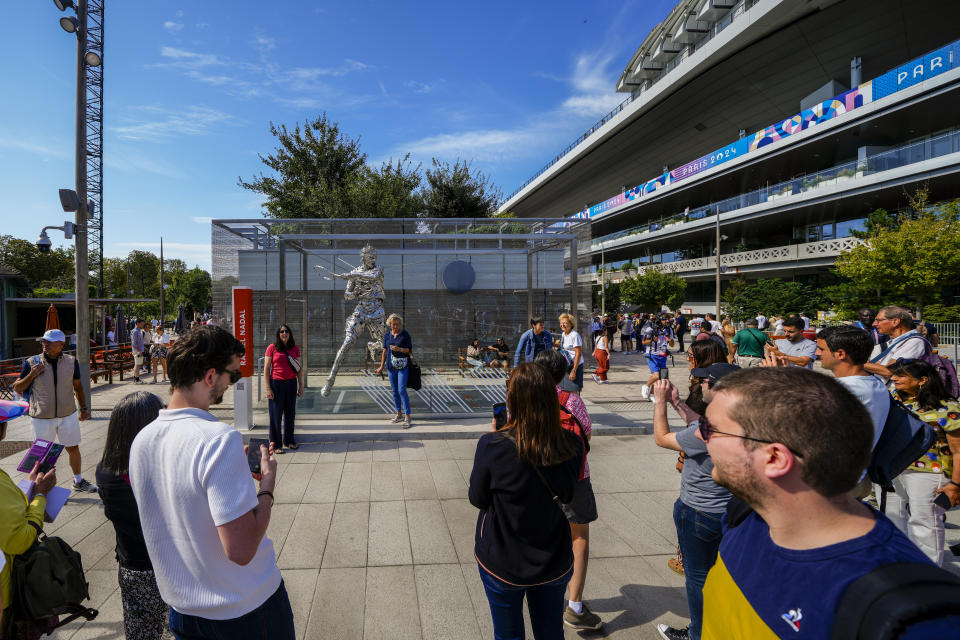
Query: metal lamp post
x=78, y=26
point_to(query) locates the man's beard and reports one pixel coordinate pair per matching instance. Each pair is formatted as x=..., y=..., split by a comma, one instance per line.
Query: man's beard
x=743, y=483
x=216, y=397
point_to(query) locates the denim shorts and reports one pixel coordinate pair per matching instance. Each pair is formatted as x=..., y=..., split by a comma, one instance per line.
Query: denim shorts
x=655, y=363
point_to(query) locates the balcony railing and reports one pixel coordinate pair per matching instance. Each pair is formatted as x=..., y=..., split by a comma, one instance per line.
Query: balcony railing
x=895, y=158
x=770, y=255
x=742, y=7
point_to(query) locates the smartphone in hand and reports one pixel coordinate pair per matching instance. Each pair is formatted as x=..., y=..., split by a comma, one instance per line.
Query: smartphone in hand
x=254, y=455
x=943, y=501
x=500, y=414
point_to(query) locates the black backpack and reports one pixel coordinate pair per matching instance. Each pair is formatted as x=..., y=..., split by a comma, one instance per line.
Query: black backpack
x=47, y=580
x=886, y=602
x=905, y=437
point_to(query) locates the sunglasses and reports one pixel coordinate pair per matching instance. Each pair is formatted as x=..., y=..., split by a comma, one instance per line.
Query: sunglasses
x=284, y=331
x=707, y=431
x=234, y=375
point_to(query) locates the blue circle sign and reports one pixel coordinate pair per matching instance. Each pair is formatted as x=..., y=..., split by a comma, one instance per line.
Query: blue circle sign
x=459, y=276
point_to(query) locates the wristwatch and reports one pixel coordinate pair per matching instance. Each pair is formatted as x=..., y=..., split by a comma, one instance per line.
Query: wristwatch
x=40, y=494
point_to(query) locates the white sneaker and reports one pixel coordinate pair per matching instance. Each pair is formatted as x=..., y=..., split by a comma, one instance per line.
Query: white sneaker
x=396, y=419
x=595, y=378
x=645, y=392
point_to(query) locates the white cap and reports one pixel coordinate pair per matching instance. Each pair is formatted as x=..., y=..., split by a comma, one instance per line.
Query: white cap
x=53, y=335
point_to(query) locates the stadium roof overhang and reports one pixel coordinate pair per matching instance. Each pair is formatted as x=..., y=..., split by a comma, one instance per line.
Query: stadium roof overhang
x=759, y=77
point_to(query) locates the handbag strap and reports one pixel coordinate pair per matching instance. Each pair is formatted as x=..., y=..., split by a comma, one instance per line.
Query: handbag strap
x=553, y=495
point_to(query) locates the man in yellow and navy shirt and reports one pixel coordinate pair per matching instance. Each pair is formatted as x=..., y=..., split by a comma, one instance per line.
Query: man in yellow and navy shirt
x=791, y=444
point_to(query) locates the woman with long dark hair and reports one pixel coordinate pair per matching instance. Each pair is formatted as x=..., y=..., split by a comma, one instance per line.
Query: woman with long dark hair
x=283, y=378
x=520, y=471
x=144, y=611
x=917, y=384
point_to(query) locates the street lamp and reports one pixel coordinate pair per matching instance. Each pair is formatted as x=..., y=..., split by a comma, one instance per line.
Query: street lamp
x=76, y=201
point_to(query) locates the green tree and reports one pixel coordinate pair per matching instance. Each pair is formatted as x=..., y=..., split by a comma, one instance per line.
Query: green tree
x=389, y=192
x=54, y=269
x=317, y=168
x=459, y=191
x=771, y=296
x=654, y=288
x=191, y=288
x=913, y=261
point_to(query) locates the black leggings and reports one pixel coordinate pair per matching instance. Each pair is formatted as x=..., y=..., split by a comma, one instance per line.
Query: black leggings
x=283, y=407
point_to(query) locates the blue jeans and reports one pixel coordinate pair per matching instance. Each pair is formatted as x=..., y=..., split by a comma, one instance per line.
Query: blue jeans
x=271, y=620
x=575, y=386
x=283, y=408
x=544, y=602
x=398, y=382
x=699, y=535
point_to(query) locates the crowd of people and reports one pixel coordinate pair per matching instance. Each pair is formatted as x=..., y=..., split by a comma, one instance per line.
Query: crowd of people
x=772, y=462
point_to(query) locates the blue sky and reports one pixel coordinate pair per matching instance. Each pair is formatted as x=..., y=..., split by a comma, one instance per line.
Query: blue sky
x=191, y=88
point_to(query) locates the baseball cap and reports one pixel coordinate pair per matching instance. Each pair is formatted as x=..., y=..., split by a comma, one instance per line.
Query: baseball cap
x=714, y=372
x=53, y=335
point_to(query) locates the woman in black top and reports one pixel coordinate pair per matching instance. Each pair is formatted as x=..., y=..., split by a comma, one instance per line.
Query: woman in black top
x=522, y=543
x=144, y=611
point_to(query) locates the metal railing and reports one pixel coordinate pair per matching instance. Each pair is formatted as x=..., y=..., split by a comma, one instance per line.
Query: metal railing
x=895, y=158
x=737, y=11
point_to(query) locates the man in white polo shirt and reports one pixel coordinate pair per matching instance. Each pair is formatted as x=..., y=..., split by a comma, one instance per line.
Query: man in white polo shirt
x=204, y=522
x=904, y=341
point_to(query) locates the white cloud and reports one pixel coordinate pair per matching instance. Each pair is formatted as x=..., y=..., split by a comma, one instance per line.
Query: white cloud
x=202, y=219
x=297, y=87
x=201, y=25
x=170, y=25
x=35, y=148
x=155, y=124
x=422, y=87
x=179, y=13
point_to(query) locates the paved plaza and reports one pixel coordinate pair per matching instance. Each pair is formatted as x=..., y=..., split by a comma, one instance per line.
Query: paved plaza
x=374, y=536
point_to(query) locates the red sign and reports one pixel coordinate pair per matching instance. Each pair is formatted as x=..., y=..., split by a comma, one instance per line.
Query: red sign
x=243, y=326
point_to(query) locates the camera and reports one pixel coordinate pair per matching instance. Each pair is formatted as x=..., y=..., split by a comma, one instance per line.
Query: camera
x=43, y=242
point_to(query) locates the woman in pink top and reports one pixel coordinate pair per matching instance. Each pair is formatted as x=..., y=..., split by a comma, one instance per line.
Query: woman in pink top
x=283, y=378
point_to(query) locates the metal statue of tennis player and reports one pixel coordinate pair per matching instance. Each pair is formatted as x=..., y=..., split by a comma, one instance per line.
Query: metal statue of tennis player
x=365, y=285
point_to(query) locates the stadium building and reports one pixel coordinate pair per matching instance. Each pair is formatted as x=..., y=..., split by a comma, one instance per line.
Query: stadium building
x=769, y=128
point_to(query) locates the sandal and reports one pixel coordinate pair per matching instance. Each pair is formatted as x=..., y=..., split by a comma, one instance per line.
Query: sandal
x=278, y=452
x=293, y=446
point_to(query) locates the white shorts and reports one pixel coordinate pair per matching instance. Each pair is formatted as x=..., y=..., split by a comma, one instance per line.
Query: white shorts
x=64, y=430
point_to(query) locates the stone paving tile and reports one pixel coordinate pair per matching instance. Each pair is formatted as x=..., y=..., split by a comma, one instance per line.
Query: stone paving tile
x=417, y=480
x=446, y=611
x=605, y=543
x=333, y=452
x=307, y=538
x=388, y=542
x=465, y=466
x=642, y=596
x=411, y=450
x=301, y=584
x=108, y=624
x=391, y=608
x=437, y=450
x=347, y=538
x=308, y=453
x=355, y=482
x=281, y=518
x=635, y=532
x=360, y=451
x=324, y=483
x=430, y=539
x=461, y=517
x=386, y=483
x=338, y=605
x=642, y=505
x=385, y=450
x=294, y=482
x=462, y=449
x=448, y=479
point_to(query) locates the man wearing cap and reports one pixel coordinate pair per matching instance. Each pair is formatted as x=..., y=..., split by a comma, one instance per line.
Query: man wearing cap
x=702, y=502
x=52, y=380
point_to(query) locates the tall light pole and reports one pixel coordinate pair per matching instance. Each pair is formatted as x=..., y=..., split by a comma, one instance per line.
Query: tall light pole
x=78, y=26
x=717, y=245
